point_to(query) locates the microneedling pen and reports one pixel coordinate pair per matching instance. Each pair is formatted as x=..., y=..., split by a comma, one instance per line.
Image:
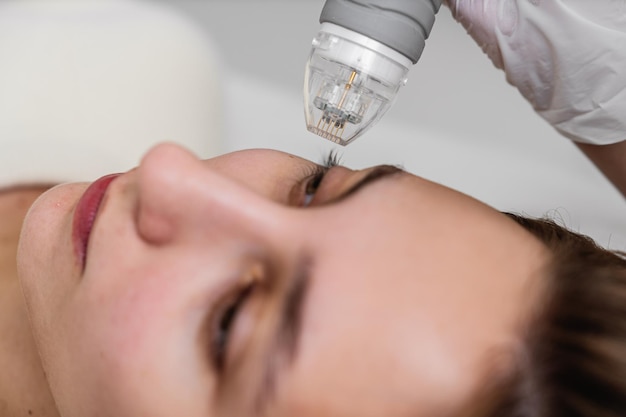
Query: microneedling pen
x=359, y=60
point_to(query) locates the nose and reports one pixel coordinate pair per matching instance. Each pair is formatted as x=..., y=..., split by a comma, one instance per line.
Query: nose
x=180, y=198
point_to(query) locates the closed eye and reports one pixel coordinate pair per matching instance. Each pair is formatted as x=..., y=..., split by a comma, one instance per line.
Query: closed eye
x=223, y=322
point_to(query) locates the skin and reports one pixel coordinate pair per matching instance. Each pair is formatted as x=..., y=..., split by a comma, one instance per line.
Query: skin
x=23, y=388
x=417, y=294
x=611, y=160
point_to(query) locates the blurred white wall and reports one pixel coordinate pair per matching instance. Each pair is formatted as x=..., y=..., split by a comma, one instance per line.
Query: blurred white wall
x=457, y=121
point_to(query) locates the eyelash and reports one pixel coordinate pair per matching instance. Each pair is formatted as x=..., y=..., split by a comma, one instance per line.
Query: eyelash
x=316, y=177
x=222, y=324
x=332, y=159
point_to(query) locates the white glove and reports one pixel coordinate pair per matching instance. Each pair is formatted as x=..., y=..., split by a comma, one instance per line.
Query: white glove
x=566, y=57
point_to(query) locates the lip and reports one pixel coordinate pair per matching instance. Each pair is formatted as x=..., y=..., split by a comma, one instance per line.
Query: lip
x=85, y=215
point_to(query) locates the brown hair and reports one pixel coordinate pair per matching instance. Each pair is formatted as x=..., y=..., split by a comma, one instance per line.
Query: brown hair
x=573, y=360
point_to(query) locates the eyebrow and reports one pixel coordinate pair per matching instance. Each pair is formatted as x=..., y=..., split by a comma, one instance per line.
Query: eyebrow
x=374, y=175
x=286, y=337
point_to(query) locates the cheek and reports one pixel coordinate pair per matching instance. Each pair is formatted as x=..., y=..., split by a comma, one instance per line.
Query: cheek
x=47, y=266
x=144, y=310
x=130, y=342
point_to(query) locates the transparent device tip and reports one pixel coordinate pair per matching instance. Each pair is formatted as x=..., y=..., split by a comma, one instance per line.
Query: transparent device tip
x=350, y=82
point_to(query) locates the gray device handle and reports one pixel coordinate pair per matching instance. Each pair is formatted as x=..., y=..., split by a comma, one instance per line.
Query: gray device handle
x=402, y=25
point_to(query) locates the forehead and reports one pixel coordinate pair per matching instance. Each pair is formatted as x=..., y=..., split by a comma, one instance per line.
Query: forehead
x=420, y=234
x=419, y=287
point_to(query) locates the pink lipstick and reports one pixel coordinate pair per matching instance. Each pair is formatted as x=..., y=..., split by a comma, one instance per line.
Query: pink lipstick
x=85, y=215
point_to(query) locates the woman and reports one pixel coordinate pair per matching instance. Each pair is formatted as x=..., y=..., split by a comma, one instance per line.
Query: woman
x=258, y=283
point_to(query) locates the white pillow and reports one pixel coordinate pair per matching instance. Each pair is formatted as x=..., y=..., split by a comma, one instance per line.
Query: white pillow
x=86, y=87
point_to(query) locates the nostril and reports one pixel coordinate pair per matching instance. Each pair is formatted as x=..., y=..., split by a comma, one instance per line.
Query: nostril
x=152, y=226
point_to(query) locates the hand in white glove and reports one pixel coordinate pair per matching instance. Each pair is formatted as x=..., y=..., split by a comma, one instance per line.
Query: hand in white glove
x=566, y=57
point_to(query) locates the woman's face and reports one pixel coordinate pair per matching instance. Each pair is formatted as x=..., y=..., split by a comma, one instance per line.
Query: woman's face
x=220, y=288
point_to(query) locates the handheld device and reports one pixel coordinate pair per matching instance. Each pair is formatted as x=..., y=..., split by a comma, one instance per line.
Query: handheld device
x=359, y=60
